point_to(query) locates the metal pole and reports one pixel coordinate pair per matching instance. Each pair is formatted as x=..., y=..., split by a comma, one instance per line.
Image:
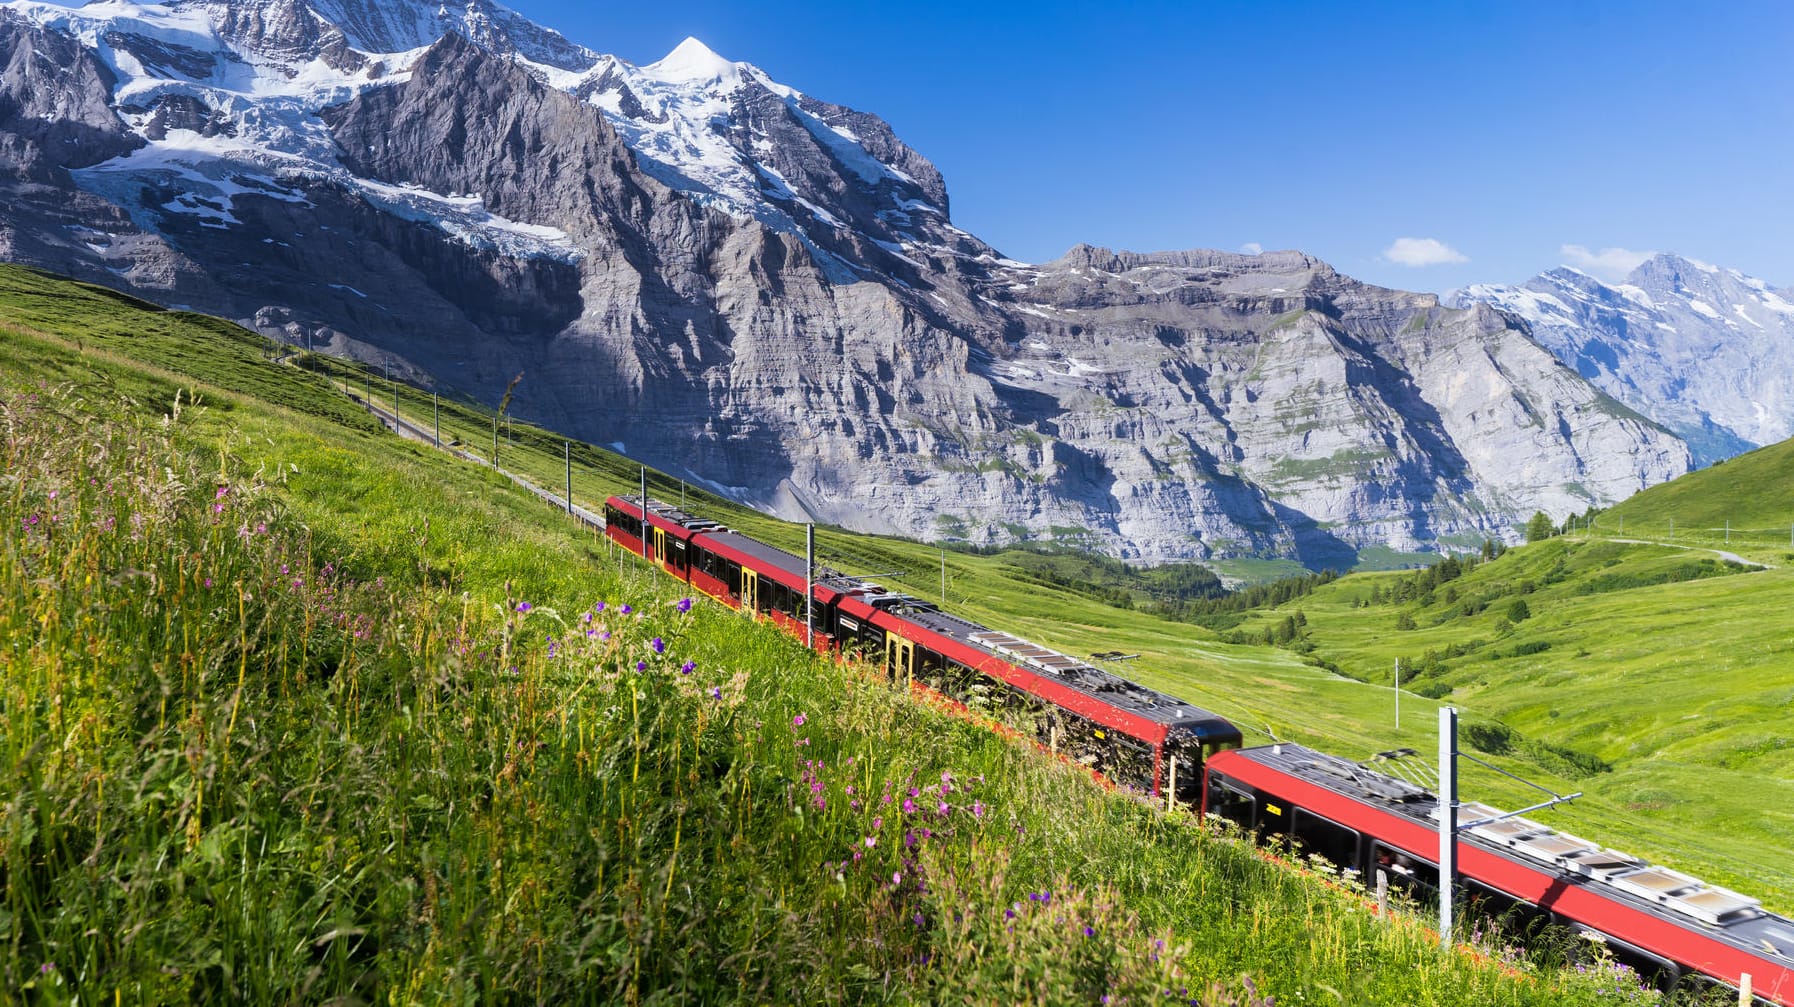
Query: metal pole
x=436, y=417
x=943, y=578
x=568, y=448
x=1171, y=782
x=644, y=512
x=495, y=440
x=681, y=494
x=395, y=399
x=1448, y=818
x=1398, y=693
x=809, y=585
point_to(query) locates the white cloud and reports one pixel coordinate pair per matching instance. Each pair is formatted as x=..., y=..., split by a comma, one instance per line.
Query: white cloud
x=1423, y=252
x=1252, y=248
x=1610, y=264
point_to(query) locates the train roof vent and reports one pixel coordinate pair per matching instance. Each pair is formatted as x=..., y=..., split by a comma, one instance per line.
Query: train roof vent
x=1367, y=781
x=1033, y=655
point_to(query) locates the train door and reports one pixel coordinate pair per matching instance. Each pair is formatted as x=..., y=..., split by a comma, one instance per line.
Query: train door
x=900, y=658
x=660, y=546
x=750, y=590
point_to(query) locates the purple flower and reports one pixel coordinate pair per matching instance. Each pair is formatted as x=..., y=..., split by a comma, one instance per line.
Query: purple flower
x=797, y=721
x=46, y=968
x=977, y=809
x=685, y=604
x=626, y=610
x=1089, y=932
x=878, y=823
x=223, y=491
x=871, y=841
x=716, y=692
x=944, y=808
x=909, y=806
x=208, y=582
x=659, y=645
x=524, y=606
x=598, y=607
x=688, y=667
x=641, y=666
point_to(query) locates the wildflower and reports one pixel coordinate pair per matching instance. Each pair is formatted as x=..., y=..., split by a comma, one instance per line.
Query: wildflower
x=977, y=809
x=909, y=806
x=871, y=841
x=944, y=808
x=604, y=636
x=217, y=508
x=524, y=606
x=586, y=619
x=283, y=569
x=598, y=607
x=1089, y=931
x=688, y=667
x=208, y=582
x=641, y=666
x=897, y=878
x=659, y=645
x=261, y=527
x=797, y=721
x=917, y=918
x=1009, y=914
x=223, y=491
x=878, y=823
x=47, y=967
x=626, y=610
x=685, y=604
x=909, y=840
x=716, y=692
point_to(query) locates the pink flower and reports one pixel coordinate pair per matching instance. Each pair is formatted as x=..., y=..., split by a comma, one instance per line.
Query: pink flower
x=797, y=721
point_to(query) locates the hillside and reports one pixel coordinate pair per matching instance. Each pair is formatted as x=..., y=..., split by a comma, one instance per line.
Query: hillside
x=1740, y=504
x=1658, y=679
x=297, y=710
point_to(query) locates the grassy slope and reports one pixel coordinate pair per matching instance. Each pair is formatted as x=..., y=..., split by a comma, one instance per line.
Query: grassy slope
x=1686, y=689
x=1749, y=491
x=330, y=756
x=1645, y=806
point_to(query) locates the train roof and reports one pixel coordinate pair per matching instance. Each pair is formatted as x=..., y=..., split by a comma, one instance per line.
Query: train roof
x=1081, y=676
x=1738, y=919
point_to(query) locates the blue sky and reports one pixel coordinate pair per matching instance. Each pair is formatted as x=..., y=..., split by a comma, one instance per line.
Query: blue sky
x=1490, y=135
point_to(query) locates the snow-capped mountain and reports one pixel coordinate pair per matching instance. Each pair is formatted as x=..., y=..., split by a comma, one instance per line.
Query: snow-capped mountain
x=1706, y=351
x=764, y=291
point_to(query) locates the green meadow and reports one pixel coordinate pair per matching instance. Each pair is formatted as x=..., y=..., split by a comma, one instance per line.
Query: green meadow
x=298, y=711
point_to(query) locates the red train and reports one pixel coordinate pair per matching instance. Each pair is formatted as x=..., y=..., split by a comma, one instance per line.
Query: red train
x=1671, y=928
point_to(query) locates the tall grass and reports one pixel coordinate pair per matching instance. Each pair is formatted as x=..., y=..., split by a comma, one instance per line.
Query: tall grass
x=252, y=758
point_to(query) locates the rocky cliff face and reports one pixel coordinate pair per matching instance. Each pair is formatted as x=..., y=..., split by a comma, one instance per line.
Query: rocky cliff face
x=764, y=292
x=1708, y=352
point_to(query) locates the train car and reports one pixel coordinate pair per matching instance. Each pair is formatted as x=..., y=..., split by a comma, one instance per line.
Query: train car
x=1130, y=735
x=1671, y=928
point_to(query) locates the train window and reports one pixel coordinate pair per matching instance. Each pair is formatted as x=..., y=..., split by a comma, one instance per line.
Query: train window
x=1236, y=806
x=1409, y=876
x=931, y=669
x=1326, y=838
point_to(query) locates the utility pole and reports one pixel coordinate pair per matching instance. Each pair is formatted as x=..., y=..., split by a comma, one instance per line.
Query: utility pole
x=1448, y=818
x=644, y=512
x=568, y=448
x=809, y=585
x=1398, y=693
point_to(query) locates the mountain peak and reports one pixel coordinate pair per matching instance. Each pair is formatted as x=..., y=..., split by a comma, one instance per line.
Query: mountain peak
x=692, y=60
